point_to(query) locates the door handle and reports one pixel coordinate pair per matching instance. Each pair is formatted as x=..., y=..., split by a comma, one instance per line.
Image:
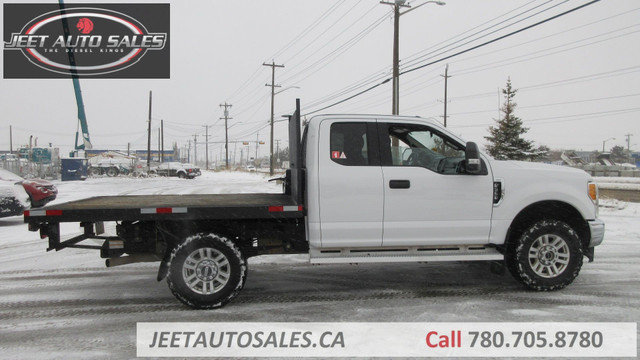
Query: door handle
x=399, y=184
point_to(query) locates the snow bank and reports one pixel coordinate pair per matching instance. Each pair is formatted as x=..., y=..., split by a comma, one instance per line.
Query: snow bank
x=618, y=183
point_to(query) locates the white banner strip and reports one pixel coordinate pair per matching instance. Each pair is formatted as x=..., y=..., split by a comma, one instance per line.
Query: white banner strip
x=386, y=339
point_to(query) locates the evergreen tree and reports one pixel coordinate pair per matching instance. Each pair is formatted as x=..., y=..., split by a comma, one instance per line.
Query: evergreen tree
x=505, y=141
x=618, y=154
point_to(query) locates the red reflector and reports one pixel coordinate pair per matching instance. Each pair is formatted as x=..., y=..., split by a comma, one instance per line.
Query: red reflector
x=164, y=210
x=26, y=213
x=54, y=212
x=276, y=208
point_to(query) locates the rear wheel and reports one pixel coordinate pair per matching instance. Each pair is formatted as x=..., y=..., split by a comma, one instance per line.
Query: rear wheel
x=111, y=172
x=206, y=271
x=547, y=256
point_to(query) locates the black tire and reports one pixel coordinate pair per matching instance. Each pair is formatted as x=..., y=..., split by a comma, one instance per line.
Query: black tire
x=215, y=265
x=95, y=171
x=111, y=172
x=547, y=256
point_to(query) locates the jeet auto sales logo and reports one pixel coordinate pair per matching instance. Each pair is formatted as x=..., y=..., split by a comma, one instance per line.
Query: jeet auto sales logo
x=86, y=40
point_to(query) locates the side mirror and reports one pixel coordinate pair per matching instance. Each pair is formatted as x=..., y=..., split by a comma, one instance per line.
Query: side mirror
x=472, y=161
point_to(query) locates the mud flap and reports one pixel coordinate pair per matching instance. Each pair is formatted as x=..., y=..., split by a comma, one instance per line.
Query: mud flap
x=163, y=270
x=590, y=253
x=498, y=267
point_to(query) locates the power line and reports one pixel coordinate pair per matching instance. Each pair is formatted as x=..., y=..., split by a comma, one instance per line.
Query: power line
x=299, y=37
x=563, y=32
x=551, y=104
x=348, y=44
x=309, y=28
x=538, y=54
x=457, y=54
x=566, y=118
x=417, y=60
x=309, y=43
x=499, y=38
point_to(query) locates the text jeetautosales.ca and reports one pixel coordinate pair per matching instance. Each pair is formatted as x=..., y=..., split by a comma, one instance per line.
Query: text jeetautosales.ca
x=246, y=339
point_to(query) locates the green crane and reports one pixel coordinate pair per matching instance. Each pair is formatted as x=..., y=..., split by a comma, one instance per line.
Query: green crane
x=82, y=116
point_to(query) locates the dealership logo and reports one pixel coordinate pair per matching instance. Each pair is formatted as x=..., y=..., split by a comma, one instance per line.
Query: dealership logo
x=85, y=41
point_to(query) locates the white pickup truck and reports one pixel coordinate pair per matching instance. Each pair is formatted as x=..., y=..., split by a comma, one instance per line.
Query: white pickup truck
x=361, y=188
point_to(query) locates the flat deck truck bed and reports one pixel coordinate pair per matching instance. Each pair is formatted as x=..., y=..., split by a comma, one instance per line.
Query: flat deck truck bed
x=169, y=207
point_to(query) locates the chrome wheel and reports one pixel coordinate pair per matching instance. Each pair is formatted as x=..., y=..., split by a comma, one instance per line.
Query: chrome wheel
x=549, y=255
x=206, y=270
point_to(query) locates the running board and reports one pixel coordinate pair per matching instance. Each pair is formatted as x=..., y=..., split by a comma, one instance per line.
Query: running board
x=410, y=254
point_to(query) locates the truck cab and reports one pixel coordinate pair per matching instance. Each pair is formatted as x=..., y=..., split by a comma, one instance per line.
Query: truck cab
x=390, y=189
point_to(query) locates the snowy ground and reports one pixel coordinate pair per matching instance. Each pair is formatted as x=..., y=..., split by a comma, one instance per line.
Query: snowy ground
x=68, y=305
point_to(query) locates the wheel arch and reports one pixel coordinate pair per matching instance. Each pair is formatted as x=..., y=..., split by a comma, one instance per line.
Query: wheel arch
x=552, y=210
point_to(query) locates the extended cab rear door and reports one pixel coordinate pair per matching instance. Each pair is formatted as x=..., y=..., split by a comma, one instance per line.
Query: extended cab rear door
x=350, y=185
x=428, y=199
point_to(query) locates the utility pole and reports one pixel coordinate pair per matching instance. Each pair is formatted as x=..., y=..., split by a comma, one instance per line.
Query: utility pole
x=257, y=144
x=226, y=131
x=162, y=141
x=149, y=136
x=446, y=77
x=189, y=152
x=629, y=147
x=10, y=140
x=159, y=145
x=273, y=94
x=206, y=146
x=235, y=151
x=395, y=86
x=397, y=5
x=277, y=150
x=195, y=149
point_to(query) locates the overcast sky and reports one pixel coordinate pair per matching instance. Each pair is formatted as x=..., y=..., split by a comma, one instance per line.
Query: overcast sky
x=578, y=76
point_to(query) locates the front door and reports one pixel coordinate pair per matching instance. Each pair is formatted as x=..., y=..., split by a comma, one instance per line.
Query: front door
x=429, y=200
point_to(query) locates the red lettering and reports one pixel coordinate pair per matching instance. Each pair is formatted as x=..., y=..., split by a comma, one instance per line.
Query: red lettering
x=429, y=344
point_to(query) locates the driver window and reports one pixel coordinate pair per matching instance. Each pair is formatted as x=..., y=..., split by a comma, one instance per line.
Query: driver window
x=413, y=145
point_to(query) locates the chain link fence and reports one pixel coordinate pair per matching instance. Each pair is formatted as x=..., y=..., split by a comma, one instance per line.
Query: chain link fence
x=29, y=169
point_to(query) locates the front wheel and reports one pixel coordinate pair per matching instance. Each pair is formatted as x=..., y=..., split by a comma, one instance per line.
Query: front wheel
x=95, y=171
x=547, y=256
x=206, y=271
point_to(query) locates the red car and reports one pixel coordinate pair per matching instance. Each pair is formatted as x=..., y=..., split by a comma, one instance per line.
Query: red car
x=38, y=191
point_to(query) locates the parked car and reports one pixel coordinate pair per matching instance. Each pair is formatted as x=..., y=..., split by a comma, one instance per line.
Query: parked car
x=18, y=194
x=183, y=171
x=251, y=168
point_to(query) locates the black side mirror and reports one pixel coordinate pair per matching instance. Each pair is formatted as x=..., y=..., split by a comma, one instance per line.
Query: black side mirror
x=472, y=161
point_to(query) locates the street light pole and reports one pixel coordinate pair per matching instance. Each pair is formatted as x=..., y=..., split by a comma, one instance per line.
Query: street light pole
x=604, y=141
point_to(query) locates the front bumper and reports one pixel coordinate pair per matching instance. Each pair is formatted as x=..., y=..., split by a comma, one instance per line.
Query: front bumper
x=597, y=232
